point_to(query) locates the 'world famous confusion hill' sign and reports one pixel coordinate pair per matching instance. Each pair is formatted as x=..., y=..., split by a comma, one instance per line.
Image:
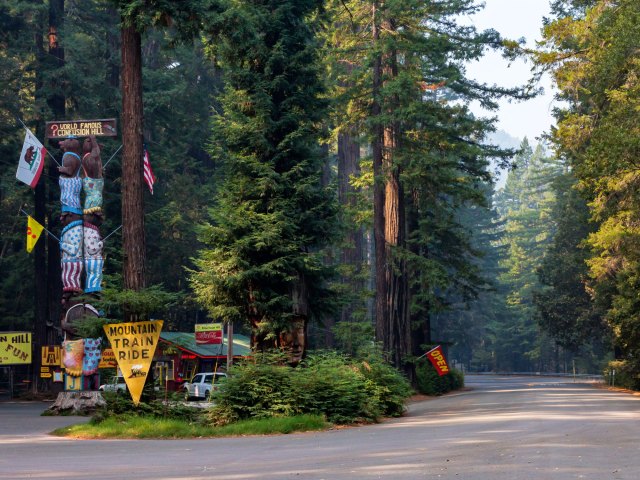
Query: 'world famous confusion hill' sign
x=82, y=128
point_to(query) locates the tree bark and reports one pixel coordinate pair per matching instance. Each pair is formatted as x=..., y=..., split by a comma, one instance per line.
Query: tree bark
x=77, y=403
x=393, y=326
x=352, y=253
x=57, y=103
x=133, y=235
x=48, y=285
x=39, y=252
x=381, y=311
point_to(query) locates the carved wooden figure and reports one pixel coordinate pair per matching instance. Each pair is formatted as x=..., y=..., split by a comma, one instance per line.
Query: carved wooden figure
x=71, y=249
x=70, y=181
x=92, y=180
x=93, y=258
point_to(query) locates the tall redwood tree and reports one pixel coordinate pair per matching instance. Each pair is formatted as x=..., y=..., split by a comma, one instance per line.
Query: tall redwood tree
x=133, y=236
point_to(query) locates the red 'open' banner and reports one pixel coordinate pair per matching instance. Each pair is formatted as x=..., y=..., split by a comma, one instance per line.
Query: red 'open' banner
x=437, y=359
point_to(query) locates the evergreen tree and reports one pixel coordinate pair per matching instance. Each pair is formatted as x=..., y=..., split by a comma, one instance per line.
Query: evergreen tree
x=565, y=309
x=18, y=60
x=468, y=312
x=271, y=216
x=179, y=87
x=525, y=205
x=591, y=48
x=401, y=70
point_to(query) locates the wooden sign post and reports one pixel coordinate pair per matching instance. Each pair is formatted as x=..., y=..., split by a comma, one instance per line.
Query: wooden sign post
x=82, y=128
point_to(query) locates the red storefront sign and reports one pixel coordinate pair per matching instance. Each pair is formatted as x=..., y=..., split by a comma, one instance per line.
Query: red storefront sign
x=209, y=334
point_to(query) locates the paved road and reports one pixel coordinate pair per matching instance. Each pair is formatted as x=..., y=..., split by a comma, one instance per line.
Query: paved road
x=505, y=428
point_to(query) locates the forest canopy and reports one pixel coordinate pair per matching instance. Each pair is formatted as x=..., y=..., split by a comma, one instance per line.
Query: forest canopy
x=321, y=181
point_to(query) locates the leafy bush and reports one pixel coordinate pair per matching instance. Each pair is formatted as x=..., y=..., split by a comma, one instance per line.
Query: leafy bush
x=430, y=383
x=625, y=374
x=386, y=385
x=254, y=390
x=326, y=383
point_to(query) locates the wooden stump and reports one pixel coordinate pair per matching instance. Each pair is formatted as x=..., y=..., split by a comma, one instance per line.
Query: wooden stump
x=77, y=403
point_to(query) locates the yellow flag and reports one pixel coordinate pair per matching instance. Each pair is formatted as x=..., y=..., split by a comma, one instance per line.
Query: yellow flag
x=34, y=229
x=134, y=344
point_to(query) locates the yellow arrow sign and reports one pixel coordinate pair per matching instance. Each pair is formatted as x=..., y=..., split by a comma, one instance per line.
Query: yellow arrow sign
x=134, y=344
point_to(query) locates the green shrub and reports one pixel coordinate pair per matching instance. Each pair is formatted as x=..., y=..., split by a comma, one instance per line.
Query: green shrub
x=326, y=383
x=626, y=375
x=329, y=384
x=386, y=384
x=255, y=390
x=430, y=383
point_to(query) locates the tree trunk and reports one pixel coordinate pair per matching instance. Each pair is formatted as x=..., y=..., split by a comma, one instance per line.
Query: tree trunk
x=77, y=403
x=40, y=279
x=381, y=311
x=133, y=235
x=352, y=254
x=48, y=288
x=399, y=340
x=58, y=108
x=392, y=296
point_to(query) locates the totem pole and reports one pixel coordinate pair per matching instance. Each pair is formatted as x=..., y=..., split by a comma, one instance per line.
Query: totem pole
x=70, y=219
x=81, y=247
x=92, y=183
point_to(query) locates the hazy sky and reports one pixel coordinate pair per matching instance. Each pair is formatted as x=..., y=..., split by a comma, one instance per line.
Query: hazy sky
x=515, y=19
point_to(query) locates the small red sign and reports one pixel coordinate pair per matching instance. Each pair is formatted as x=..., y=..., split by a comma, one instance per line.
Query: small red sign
x=437, y=359
x=209, y=334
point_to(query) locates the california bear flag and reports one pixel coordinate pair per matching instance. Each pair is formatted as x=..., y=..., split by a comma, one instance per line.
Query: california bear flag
x=31, y=160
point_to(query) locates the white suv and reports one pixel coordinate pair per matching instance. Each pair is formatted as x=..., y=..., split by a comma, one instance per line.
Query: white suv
x=202, y=384
x=117, y=384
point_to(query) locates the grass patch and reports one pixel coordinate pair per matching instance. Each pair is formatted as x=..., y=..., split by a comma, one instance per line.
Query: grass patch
x=153, y=427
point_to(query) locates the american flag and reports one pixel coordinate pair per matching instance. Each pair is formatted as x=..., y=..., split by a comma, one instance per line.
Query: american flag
x=149, y=177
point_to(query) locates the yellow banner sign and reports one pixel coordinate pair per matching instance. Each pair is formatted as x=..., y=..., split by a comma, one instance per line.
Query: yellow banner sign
x=108, y=359
x=134, y=344
x=51, y=355
x=15, y=348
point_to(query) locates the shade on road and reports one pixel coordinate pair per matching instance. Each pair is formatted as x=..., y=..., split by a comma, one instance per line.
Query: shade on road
x=503, y=428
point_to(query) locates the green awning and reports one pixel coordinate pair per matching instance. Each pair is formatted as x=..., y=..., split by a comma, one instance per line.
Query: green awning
x=187, y=342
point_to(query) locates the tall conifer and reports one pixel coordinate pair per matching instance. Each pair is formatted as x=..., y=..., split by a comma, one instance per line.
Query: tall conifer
x=409, y=92
x=271, y=216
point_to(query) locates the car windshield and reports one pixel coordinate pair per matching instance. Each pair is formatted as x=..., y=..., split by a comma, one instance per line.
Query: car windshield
x=197, y=379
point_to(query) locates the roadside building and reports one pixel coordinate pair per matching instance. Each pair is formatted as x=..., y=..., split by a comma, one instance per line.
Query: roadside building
x=178, y=357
